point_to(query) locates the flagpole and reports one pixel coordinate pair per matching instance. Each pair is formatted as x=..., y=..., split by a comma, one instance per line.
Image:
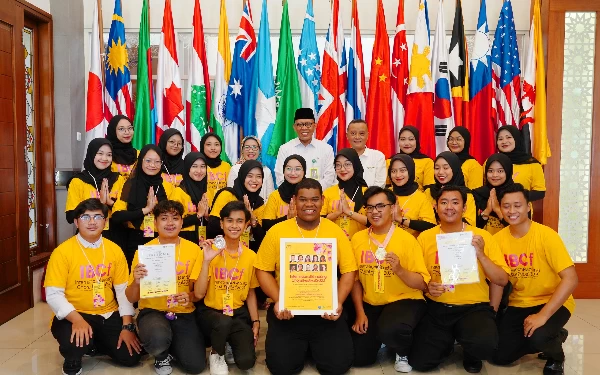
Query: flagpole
x=101, y=37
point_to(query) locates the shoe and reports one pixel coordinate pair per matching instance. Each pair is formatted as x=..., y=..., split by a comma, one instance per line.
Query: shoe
x=553, y=367
x=562, y=334
x=402, y=365
x=229, y=355
x=72, y=368
x=91, y=352
x=218, y=366
x=163, y=367
x=472, y=365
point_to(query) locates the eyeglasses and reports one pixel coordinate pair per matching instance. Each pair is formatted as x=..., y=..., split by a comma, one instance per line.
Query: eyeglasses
x=175, y=144
x=297, y=169
x=346, y=166
x=152, y=162
x=304, y=125
x=86, y=217
x=125, y=130
x=379, y=207
x=251, y=148
x=457, y=140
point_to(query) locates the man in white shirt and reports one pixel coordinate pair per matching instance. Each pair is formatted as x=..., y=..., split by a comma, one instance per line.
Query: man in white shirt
x=318, y=154
x=373, y=161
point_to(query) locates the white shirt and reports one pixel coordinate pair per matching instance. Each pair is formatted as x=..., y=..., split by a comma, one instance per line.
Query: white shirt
x=373, y=162
x=318, y=156
x=268, y=184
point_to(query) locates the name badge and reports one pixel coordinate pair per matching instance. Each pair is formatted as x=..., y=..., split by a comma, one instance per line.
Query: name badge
x=171, y=301
x=314, y=173
x=202, y=233
x=245, y=238
x=228, y=304
x=345, y=225
x=149, y=225
x=379, y=279
x=98, y=292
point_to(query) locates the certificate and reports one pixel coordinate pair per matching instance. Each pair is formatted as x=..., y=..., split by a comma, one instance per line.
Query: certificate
x=458, y=262
x=162, y=274
x=308, y=276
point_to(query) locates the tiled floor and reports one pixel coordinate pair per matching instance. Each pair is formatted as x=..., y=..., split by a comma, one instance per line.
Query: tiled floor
x=27, y=347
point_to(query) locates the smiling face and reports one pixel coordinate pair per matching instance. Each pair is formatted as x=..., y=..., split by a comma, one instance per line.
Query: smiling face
x=442, y=171
x=151, y=163
x=234, y=225
x=174, y=145
x=254, y=180
x=168, y=225
x=399, y=173
x=103, y=158
x=515, y=208
x=308, y=204
x=495, y=174
x=251, y=149
x=505, y=142
x=344, y=168
x=92, y=228
x=305, y=129
x=450, y=207
x=198, y=170
x=407, y=142
x=212, y=147
x=376, y=218
x=293, y=171
x=124, y=131
x=456, y=142
x=358, y=134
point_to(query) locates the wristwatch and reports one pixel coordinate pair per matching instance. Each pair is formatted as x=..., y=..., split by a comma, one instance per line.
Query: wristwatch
x=128, y=327
x=351, y=213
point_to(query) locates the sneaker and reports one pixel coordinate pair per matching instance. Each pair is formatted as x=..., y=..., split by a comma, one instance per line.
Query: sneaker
x=553, y=367
x=163, y=367
x=218, y=366
x=229, y=354
x=472, y=365
x=401, y=364
x=72, y=368
x=562, y=334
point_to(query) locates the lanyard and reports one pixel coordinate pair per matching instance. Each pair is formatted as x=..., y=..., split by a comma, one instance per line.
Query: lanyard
x=380, y=247
x=96, y=274
x=302, y=234
x=240, y=251
x=95, y=183
x=462, y=230
x=410, y=196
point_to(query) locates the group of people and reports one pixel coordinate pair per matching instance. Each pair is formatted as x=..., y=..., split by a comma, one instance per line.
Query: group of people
x=385, y=216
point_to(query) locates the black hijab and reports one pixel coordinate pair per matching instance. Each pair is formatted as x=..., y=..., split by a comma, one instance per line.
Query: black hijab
x=357, y=181
x=410, y=186
x=458, y=179
x=171, y=164
x=123, y=153
x=416, y=154
x=240, y=189
x=90, y=169
x=286, y=189
x=464, y=154
x=195, y=189
x=211, y=162
x=482, y=194
x=519, y=155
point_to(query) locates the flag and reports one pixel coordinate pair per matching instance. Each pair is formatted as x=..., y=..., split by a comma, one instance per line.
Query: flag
x=459, y=74
x=117, y=97
x=399, y=79
x=419, y=103
x=217, y=118
x=379, y=104
x=309, y=62
x=356, y=99
x=480, y=123
x=145, y=112
x=533, y=97
x=95, y=124
x=197, y=101
x=442, y=102
x=288, y=88
x=506, y=69
x=331, y=126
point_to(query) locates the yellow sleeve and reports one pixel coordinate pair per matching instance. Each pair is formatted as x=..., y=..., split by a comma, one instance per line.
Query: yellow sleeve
x=346, y=259
x=169, y=188
x=538, y=180
x=182, y=197
x=133, y=264
x=198, y=267
x=74, y=194
x=260, y=214
x=327, y=202
x=120, y=205
x=473, y=173
x=416, y=261
x=556, y=253
x=117, y=187
x=223, y=198
x=57, y=271
x=471, y=213
x=266, y=258
x=121, y=270
x=492, y=250
x=388, y=182
x=428, y=178
x=426, y=212
x=254, y=281
x=429, y=198
x=271, y=207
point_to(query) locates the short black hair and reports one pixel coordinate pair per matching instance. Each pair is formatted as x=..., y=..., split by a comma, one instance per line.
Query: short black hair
x=90, y=204
x=308, y=183
x=446, y=188
x=358, y=121
x=375, y=190
x=167, y=206
x=234, y=206
x=514, y=188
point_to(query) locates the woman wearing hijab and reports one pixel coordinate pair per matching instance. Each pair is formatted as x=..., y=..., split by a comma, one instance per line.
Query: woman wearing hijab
x=409, y=144
x=216, y=169
x=344, y=202
x=141, y=192
x=120, y=134
x=527, y=170
x=498, y=177
x=251, y=149
x=459, y=142
x=280, y=207
x=171, y=145
x=447, y=172
x=414, y=212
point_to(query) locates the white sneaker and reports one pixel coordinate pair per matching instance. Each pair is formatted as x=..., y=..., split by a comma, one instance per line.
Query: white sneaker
x=218, y=366
x=402, y=365
x=163, y=367
x=229, y=354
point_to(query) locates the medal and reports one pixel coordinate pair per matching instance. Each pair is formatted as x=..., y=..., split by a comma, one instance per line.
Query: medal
x=380, y=253
x=219, y=242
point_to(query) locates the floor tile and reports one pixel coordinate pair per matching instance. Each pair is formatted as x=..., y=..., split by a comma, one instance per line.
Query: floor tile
x=39, y=361
x=6, y=354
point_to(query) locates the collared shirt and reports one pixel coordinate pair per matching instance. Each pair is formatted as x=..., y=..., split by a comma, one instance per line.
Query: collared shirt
x=89, y=245
x=373, y=162
x=319, y=160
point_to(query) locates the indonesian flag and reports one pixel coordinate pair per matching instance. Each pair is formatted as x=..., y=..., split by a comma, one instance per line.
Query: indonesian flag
x=399, y=79
x=95, y=124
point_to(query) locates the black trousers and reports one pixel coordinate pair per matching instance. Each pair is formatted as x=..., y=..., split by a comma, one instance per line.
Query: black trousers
x=236, y=330
x=180, y=337
x=105, y=337
x=513, y=344
x=392, y=324
x=135, y=238
x=288, y=342
x=473, y=326
x=117, y=233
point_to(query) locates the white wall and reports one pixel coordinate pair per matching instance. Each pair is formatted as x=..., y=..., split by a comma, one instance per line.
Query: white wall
x=42, y=4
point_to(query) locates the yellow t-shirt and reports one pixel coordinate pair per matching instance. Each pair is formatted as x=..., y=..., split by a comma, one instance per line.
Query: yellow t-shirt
x=226, y=270
x=187, y=254
x=423, y=172
x=226, y=197
x=80, y=191
x=121, y=205
x=189, y=208
x=217, y=177
x=69, y=268
x=411, y=258
x=463, y=294
x=275, y=207
x=124, y=169
x=471, y=210
x=473, y=172
x=269, y=252
x=531, y=176
x=494, y=225
x=174, y=179
x=535, y=261
x=332, y=202
x=416, y=207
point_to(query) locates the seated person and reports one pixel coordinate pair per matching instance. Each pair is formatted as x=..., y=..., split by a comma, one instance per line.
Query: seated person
x=543, y=278
x=167, y=325
x=81, y=275
x=225, y=282
x=387, y=296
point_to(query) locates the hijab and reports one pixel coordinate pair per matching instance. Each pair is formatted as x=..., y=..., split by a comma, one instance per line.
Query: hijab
x=195, y=189
x=91, y=174
x=286, y=189
x=353, y=187
x=482, y=194
x=171, y=164
x=458, y=179
x=123, y=153
x=239, y=188
x=416, y=154
x=242, y=160
x=463, y=155
x=519, y=155
x=410, y=186
x=211, y=162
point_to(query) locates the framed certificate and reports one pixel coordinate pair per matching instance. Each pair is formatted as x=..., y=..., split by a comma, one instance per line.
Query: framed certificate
x=308, y=276
x=162, y=274
x=458, y=262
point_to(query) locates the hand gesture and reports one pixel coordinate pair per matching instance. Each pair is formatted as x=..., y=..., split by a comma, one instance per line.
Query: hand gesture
x=292, y=209
x=533, y=322
x=209, y=251
x=495, y=203
x=182, y=298
x=131, y=340
x=82, y=332
x=479, y=244
x=344, y=206
x=255, y=332
x=104, y=194
x=336, y=315
x=282, y=315
x=435, y=289
x=398, y=213
x=490, y=205
x=152, y=201
x=202, y=207
x=139, y=272
x=393, y=261
x=361, y=324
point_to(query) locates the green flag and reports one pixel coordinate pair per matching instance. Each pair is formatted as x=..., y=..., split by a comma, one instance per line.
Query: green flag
x=287, y=88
